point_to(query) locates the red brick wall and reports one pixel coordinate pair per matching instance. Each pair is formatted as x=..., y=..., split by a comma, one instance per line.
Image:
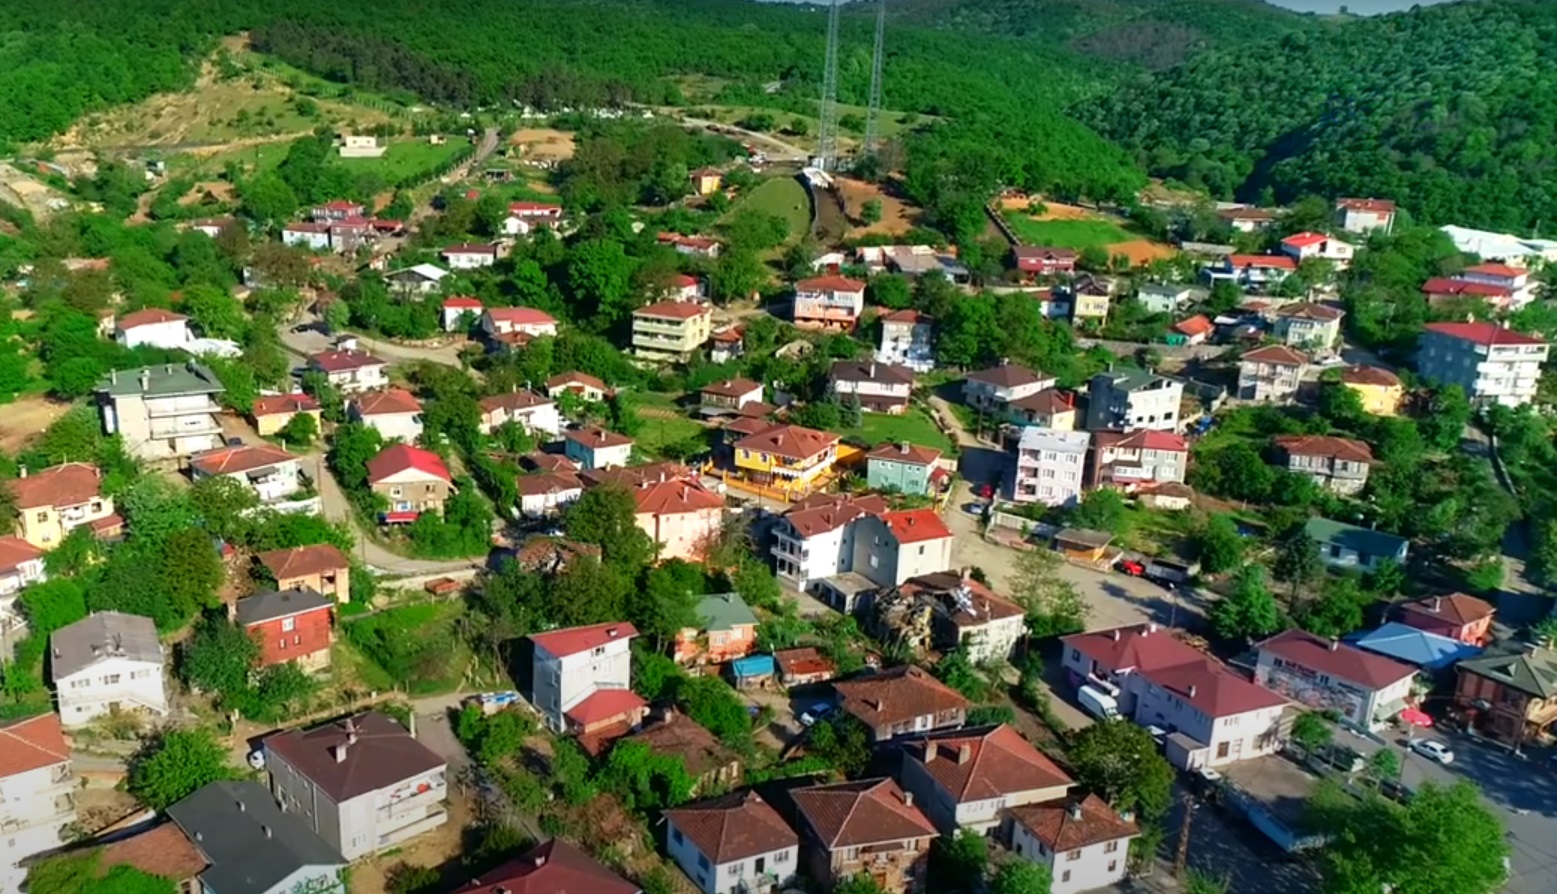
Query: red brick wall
x=310, y=633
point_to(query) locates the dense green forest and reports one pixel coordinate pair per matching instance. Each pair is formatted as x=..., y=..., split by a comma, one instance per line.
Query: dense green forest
x=1451, y=110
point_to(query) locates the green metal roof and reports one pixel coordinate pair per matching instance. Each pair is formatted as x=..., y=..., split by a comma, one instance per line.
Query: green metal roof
x=725, y=611
x=1127, y=378
x=167, y=380
x=1359, y=540
x=1534, y=673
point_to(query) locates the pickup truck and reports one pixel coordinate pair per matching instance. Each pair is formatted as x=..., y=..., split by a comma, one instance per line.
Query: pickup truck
x=1170, y=571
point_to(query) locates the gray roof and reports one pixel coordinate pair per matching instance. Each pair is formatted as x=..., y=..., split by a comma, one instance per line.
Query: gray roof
x=1533, y=672
x=251, y=845
x=355, y=756
x=1128, y=378
x=167, y=380
x=269, y=604
x=1358, y=540
x=102, y=636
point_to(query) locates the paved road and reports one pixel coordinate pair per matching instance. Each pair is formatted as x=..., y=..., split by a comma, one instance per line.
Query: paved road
x=302, y=344
x=777, y=150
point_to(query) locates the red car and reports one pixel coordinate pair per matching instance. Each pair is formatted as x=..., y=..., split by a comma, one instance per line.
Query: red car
x=986, y=491
x=1132, y=567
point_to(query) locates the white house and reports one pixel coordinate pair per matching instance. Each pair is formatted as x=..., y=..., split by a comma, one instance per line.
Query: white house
x=21, y=564
x=1050, y=466
x=593, y=447
x=878, y=387
x=831, y=303
x=1130, y=399
x=38, y=804
x=1311, y=246
x=393, y=412
x=815, y=539
x=524, y=217
x=1325, y=674
x=535, y=413
x=1083, y=841
x=969, y=778
x=162, y=411
x=1364, y=215
x=349, y=371
x=1349, y=546
x=312, y=236
x=1492, y=363
x=994, y=389
x=1164, y=298
x=107, y=661
x=582, y=677
x=498, y=321
x=907, y=339
x=270, y=472
x=154, y=327
x=548, y=493
x=460, y=312
x=1515, y=279
x=469, y=256
x=733, y=844
x=422, y=279
x=1159, y=680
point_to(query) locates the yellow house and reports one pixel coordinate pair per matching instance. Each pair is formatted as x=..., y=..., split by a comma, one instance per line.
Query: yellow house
x=787, y=457
x=671, y=330
x=273, y=411
x=58, y=499
x=1380, y=389
x=706, y=181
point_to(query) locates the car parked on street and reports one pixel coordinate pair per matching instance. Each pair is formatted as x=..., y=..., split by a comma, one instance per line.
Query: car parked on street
x=1433, y=750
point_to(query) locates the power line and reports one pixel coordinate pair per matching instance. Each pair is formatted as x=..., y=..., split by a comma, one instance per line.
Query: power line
x=873, y=114
x=827, y=133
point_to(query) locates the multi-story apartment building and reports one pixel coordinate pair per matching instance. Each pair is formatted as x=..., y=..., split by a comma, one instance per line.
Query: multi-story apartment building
x=1137, y=459
x=52, y=503
x=107, y=661
x=907, y=339
x=363, y=784
x=1273, y=373
x=891, y=547
x=878, y=387
x=672, y=506
x=233, y=838
x=733, y=844
x=581, y=678
x=1336, y=464
x=1328, y=675
x=815, y=538
x=1510, y=694
x=832, y=303
x=671, y=330
x=995, y=389
x=37, y=800
x=1315, y=328
x=1364, y=215
x=905, y=468
x=162, y=411
x=411, y=480
x=869, y=827
x=1051, y=466
x=1085, y=844
x=1492, y=363
x=1129, y=399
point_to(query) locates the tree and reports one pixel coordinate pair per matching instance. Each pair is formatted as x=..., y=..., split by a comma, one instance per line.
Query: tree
x=1248, y=611
x=1384, y=765
x=842, y=742
x=1444, y=840
x=72, y=873
x=215, y=312
x=224, y=505
x=174, y=765
x=1221, y=546
x=1298, y=562
x=1448, y=412
x=607, y=516
x=1021, y=877
x=957, y=864
x=859, y=883
x=191, y=570
x=1120, y=762
x=300, y=430
x=955, y=670
x=1054, y=606
x=219, y=657
x=716, y=707
x=1197, y=882
x=1337, y=611
x=1311, y=730
x=870, y=212
x=1102, y=509
x=667, y=602
x=337, y=315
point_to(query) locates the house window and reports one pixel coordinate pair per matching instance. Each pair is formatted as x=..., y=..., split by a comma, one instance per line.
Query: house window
x=781, y=857
x=676, y=836
x=288, y=625
x=111, y=679
x=1065, y=876
x=1113, y=866
x=1111, y=848
x=598, y=651
x=1073, y=856
x=282, y=644
x=396, y=491
x=1221, y=749
x=702, y=861
x=43, y=516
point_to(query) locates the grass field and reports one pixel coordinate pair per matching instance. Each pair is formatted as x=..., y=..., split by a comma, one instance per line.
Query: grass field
x=784, y=197
x=1077, y=234
x=404, y=158
x=914, y=426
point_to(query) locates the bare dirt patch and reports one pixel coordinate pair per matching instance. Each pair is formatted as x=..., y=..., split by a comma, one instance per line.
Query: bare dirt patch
x=897, y=215
x=221, y=190
x=543, y=144
x=1051, y=210
x=1141, y=251
x=25, y=419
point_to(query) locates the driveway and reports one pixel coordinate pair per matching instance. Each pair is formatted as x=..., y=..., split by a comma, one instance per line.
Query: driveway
x=313, y=341
x=378, y=558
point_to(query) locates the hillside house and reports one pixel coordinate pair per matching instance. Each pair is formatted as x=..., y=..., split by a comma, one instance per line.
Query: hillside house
x=902, y=468
x=1050, y=408
x=994, y=390
x=671, y=330
x=1038, y=260
x=1492, y=363
x=107, y=661
x=691, y=246
x=582, y=679
x=868, y=826
x=162, y=412
x=593, y=447
x=321, y=568
x=21, y=564
x=270, y=472
x=1164, y=298
x=1252, y=271
x=907, y=339
x=1123, y=399
x=515, y=325
x=411, y=480
x=272, y=412
x=1348, y=546
x=394, y=413
x=969, y=779
x=1327, y=675
x=901, y=701
x=1380, y=390
x=1084, y=842
x=39, y=808
x=422, y=279
x=728, y=632
x=1271, y=373
x=1314, y=328
x=1339, y=465
x=1050, y=466
x=814, y=540
x=289, y=625
x=828, y=303
x=1193, y=331
x=733, y=844
x=1364, y=215
x=153, y=327
x=1508, y=696
x=544, y=494
x=312, y=236
x=351, y=371
x=235, y=838
x=944, y=610
x=789, y=457
x=57, y=500
x=671, y=506
x=878, y=387
x=530, y=411
x=1310, y=246
x=1246, y=219
x=469, y=256
x=581, y=385
x=551, y=867
x=1457, y=616
x=1140, y=459
x=461, y=313
x=729, y=395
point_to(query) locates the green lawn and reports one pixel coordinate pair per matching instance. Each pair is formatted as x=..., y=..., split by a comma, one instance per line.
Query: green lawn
x=783, y=197
x=914, y=426
x=1077, y=234
x=405, y=158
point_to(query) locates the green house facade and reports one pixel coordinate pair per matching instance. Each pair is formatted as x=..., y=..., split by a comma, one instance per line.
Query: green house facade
x=903, y=467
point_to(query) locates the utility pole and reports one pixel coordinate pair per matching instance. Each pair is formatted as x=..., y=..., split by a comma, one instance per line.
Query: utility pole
x=873, y=113
x=827, y=132
x=1181, y=859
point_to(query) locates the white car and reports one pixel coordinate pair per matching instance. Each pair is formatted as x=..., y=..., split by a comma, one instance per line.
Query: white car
x=257, y=758
x=1433, y=750
x=817, y=712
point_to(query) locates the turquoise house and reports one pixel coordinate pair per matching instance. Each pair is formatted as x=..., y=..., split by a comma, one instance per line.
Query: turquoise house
x=903, y=467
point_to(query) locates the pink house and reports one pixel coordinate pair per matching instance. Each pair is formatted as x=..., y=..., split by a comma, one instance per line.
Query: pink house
x=673, y=506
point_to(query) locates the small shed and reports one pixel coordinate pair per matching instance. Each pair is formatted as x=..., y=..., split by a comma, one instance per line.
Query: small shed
x=752, y=671
x=804, y=666
x=1081, y=545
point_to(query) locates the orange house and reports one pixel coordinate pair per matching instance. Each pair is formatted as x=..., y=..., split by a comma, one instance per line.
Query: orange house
x=729, y=632
x=1457, y=616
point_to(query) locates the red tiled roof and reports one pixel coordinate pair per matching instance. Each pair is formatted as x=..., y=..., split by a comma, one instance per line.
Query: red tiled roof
x=1143, y=647
x=340, y=205
x=1484, y=334
x=897, y=695
x=302, y=561
x=605, y=704
x=398, y=458
x=549, y=462
x=277, y=404
x=236, y=460
x=1246, y=214
x=827, y=512
x=148, y=317
x=732, y=388
x=1500, y=270
x=1339, y=660
x=674, y=310
x=1456, y=608
x=552, y=867
x=576, y=378
x=573, y=640
x=1325, y=445
x=463, y=301
x=1442, y=285
x=1214, y=690
x=1370, y=375
x=1061, y=830
x=342, y=361
x=14, y=551
x=683, y=281
x=788, y=441
x=733, y=827
x=1043, y=253
x=549, y=207
x=594, y=437
x=676, y=497
x=868, y=811
x=1048, y=402
x=513, y=400
x=829, y=284
x=1303, y=240
x=1195, y=325
x=904, y=452
x=1151, y=439
x=1279, y=262
x=306, y=228
x=521, y=316
x=803, y=662
x=70, y=484
x=906, y=316
x=1006, y=375
x=161, y=850
x=1308, y=310
x=986, y=765
x=469, y=249
x=31, y=744
x=387, y=402
x=1279, y=354
x=915, y=525
x=1377, y=206
x=541, y=483
x=871, y=371
x=728, y=336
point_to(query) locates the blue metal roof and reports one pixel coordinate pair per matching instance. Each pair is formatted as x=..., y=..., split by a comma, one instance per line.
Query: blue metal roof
x=753, y=666
x=1413, y=646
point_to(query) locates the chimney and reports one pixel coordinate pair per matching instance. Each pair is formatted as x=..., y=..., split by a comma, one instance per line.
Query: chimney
x=266, y=830
x=1335, y=644
x=908, y=799
x=1152, y=627
x=964, y=754
x=931, y=751
x=1437, y=600
x=902, y=447
x=340, y=752
x=146, y=378
x=1116, y=634
x=611, y=632
x=242, y=807
x=540, y=860
x=873, y=369
x=1193, y=689
x=1074, y=809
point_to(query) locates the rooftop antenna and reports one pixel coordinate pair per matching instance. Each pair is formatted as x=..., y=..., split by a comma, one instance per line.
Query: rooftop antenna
x=873, y=113
x=827, y=132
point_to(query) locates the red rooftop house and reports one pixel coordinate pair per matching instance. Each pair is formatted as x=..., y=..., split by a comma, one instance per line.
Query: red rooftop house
x=581, y=680
x=1038, y=260
x=829, y=303
x=553, y=867
x=337, y=210
x=1365, y=215
x=1456, y=616
x=289, y=625
x=1368, y=689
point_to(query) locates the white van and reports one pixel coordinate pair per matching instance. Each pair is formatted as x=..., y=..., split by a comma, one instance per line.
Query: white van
x=1098, y=703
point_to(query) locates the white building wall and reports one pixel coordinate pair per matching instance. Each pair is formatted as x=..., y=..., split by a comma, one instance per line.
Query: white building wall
x=994, y=640
x=170, y=334
x=88, y=693
x=35, y=807
x=817, y=557
x=464, y=261
x=1088, y=869
x=726, y=878
x=355, y=381
x=561, y=683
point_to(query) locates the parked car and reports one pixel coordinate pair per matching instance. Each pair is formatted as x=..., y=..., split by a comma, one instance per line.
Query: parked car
x=1433, y=750
x=814, y=713
x=257, y=758
x=1131, y=567
x=1098, y=703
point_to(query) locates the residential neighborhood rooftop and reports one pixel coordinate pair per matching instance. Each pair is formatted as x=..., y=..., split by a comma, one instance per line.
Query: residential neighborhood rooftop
x=573, y=640
x=862, y=812
x=733, y=827
x=1335, y=658
x=1484, y=333
x=897, y=695
x=363, y=753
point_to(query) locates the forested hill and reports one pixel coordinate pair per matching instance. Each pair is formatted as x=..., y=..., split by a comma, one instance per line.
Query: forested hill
x=1451, y=110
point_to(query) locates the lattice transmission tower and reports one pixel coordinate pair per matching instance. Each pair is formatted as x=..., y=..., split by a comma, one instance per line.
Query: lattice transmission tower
x=873, y=113
x=827, y=133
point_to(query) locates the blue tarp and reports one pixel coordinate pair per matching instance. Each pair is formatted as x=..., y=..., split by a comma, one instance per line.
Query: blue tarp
x=753, y=666
x=1403, y=642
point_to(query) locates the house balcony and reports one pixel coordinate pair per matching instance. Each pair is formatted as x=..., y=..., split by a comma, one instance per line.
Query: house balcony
x=651, y=324
x=791, y=549
x=184, y=427
x=173, y=410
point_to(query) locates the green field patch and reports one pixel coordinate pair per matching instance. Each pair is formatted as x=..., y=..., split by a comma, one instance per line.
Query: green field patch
x=783, y=197
x=914, y=426
x=405, y=158
x=1077, y=234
